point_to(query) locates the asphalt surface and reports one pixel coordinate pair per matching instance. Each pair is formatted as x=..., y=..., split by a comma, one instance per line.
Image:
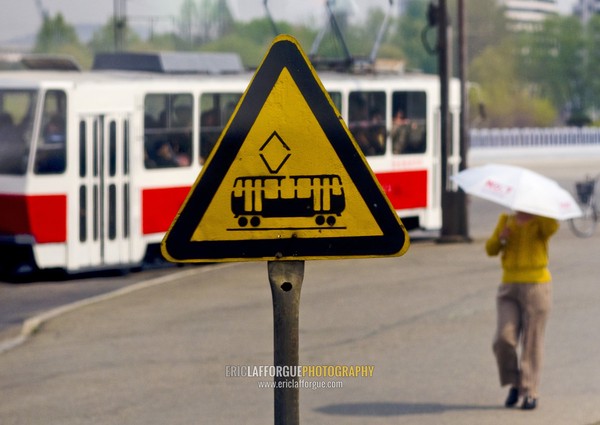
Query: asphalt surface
x=159, y=352
x=34, y=295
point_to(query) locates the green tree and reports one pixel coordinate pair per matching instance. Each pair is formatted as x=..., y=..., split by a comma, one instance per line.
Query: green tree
x=216, y=19
x=204, y=21
x=252, y=39
x=249, y=50
x=414, y=38
x=163, y=42
x=54, y=35
x=508, y=102
x=366, y=36
x=552, y=60
x=486, y=24
x=187, y=22
x=103, y=40
x=592, y=63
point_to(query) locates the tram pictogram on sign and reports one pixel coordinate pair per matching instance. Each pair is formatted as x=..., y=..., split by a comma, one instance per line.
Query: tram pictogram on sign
x=318, y=196
x=285, y=180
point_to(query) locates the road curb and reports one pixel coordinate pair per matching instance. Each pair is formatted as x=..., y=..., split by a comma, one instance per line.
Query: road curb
x=33, y=324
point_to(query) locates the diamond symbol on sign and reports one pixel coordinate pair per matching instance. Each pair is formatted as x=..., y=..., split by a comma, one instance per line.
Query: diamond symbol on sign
x=274, y=153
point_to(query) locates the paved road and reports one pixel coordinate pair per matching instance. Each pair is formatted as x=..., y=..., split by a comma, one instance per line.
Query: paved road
x=424, y=321
x=20, y=301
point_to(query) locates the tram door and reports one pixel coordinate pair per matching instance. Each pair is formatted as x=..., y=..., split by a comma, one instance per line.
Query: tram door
x=103, y=225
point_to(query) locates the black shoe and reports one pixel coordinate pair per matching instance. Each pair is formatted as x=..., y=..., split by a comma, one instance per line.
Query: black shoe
x=513, y=397
x=529, y=403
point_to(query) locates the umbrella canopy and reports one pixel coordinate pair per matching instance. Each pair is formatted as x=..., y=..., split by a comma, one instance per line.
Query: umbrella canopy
x=519, y=189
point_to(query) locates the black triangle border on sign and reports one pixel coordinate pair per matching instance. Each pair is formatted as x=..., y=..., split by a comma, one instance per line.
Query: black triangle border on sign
x=177, y=245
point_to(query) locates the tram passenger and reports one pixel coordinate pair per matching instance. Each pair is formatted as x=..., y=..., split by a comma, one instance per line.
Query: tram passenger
x=399, y=131
x=408, y=136
x=181, y=141
x=370, y=134
x=415, y=142
x=54, y=132
x=180, y=146
x=361, y=135
x=162, y=156
x=183, y=117
x=377, y=132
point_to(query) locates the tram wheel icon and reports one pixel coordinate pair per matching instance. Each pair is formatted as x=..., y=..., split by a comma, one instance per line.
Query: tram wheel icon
x=321, y=220
x=254, y=221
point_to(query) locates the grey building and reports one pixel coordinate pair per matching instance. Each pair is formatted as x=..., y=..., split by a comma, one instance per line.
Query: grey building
x=526, y=14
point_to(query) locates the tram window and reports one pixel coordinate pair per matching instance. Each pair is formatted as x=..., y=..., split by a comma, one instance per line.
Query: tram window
x=112, y=212
x=215, y=111
x=168, y=130
x=126, y=147
x=82, y=213
x=16, y=128
x=126, y=210
x=409, y=124
x=366, y=121
x=82, y=149
x=112, y=148
x=95, y=212
x=50, y=157
x=95, y=142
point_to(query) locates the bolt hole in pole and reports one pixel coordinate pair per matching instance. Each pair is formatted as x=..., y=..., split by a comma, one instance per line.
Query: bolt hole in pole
x=286, y=278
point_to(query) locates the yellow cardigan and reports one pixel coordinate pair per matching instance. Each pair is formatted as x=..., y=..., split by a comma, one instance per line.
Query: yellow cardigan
x=525, y=252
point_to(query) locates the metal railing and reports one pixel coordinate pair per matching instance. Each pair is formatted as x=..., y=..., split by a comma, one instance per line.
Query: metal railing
x=534, y=137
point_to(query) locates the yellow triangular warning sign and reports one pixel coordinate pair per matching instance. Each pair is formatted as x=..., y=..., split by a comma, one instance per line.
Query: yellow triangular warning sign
x=285, y=180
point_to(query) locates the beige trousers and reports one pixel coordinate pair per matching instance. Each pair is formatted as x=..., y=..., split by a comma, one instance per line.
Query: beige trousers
x=523, y=310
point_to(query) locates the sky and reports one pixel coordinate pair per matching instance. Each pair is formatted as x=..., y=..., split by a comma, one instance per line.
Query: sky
x=23, y=18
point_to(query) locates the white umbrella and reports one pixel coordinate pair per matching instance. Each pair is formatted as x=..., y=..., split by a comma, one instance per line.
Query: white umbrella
x=519, y=189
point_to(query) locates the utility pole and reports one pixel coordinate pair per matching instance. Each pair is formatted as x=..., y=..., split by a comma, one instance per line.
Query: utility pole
x=120, y=24
x=43, y=11
x=454, y=211
x=444, y=73
x=462, y=75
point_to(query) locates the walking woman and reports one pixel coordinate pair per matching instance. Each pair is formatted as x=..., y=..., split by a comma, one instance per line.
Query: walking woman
x=523, y=302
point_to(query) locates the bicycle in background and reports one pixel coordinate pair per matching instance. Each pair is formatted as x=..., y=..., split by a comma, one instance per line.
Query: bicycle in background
x=585, y=226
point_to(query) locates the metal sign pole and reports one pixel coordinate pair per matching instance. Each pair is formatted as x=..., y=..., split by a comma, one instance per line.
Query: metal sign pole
x=286, y=278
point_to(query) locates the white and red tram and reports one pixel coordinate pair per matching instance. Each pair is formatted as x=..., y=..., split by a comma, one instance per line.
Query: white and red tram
x=94, y=165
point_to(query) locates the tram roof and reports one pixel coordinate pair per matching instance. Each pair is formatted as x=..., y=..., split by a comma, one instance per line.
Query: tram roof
x=238, y=80
x=221, y=67
x=171, y=62
x=114, y=75
x=38, y=61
